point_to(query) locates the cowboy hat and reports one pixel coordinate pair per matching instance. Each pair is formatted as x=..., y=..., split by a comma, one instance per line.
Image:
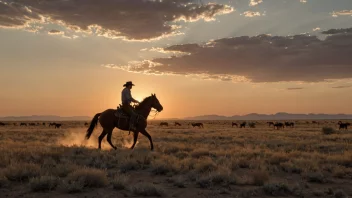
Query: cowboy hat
x=128, y=83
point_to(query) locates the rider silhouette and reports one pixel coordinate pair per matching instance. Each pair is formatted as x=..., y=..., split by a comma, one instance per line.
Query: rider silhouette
x=126, y=99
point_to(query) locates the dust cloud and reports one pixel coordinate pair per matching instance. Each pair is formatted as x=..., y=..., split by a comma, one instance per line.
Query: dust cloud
x=76, y=137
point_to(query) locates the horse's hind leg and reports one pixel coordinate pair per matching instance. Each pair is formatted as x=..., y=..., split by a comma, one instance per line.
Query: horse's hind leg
x=135, y=137
x=145, y=133
x=109, y=139
x=101, y=137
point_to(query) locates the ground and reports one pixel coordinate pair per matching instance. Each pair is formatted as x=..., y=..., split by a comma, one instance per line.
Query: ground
x=214, y=161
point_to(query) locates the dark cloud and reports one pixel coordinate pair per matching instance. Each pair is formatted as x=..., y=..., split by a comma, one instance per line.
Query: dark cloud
x=294, y=88
x=131, y=19
x=55, y=32
x=262, y=58
x=342, y=87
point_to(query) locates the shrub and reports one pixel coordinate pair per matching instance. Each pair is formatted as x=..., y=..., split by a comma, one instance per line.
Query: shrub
x=328, y=130
x=43, y=183
x=340, y=194
x=89, y=177
x=259, y=177
x=22, y=172
x=316, y=177
x=120, y=182
x=275, y=189
x=147, y=189
x=129, y=165
x=71, y=186
x=4, y=182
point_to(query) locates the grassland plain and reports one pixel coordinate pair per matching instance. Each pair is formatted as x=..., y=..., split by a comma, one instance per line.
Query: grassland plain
x=217, y=161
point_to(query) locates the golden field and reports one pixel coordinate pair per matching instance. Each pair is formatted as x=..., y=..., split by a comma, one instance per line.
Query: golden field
x=216, y=161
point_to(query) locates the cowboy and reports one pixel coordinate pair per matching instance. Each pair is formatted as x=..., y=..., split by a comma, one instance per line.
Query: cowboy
x=126, y=99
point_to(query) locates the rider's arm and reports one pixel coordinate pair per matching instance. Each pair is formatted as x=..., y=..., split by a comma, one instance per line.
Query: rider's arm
x=131, y=98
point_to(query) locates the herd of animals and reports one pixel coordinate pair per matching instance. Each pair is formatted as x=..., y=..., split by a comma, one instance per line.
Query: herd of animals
x=51, y=124
x=276, y=125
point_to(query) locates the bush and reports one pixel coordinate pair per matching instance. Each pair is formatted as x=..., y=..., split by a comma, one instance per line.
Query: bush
x=316, y=177
x=328, y=130
x=43, y=183
x=276, y=189
x=4, y=182
x=120, y=182
x=147, y=189
x=22, y=172
x=259, y=177
x=89, y=177
x=71, y=186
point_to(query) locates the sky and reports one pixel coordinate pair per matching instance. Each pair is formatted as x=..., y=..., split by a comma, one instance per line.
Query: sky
x=199, y=57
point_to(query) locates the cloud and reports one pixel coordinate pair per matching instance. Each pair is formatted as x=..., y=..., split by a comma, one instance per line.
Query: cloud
x=133, y=20
x=294, y=88
x=342, y=87
x=255, y=2
x=262, y=58
x=251, y=14
x=303, y=1
x=342, y=13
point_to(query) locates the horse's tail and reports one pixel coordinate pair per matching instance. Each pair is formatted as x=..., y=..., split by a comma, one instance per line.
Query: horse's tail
x=93, y=124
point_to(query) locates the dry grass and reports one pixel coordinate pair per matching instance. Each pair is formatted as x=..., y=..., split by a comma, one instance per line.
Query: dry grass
x=257, y=162
x=89, y=177
x=43, y=183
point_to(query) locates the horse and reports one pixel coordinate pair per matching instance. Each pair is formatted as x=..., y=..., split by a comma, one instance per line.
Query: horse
x=109, y=121
x=164, y=124
x=58, y=126
x=177, y=124
x=251, y=125
x=279, y=125
x=234, y=124
x=243, y=125
x=343, y=125
x=270, y=123
x=198, y=124
x=289, y=124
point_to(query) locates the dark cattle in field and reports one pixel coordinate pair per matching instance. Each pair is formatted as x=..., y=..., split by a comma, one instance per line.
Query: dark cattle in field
x=31, y=124
x=23, y=124
x=2, y=124
x=43, y=123
x=270, y=123
x=86, y=124
x=52, y=124
x=58, y=126
x=243, y=125
x=289, y=124
x=279, y=125
x=234, y=124
x=251, y=124
x=177, y=124
x=343, y=125
x=164, y=124
x=198, y=124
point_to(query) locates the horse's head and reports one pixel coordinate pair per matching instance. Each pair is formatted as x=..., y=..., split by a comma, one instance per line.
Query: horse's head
x=156, y=104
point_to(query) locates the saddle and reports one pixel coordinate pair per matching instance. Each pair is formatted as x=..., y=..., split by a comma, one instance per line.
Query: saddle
x=120, y=113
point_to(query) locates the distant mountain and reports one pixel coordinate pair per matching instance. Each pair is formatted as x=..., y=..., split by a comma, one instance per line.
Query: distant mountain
x=277, y=116
x=45, y=118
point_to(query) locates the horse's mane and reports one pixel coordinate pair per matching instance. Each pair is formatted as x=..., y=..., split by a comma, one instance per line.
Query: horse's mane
x=144, y=101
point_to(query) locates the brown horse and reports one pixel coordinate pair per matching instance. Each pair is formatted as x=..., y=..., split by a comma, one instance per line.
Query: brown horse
x=164, y=124
x=198, y=124
x=109, y=121
x=177, y=124
x=234, y=124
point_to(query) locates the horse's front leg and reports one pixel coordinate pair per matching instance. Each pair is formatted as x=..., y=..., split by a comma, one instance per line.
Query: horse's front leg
x=145, y=133
x=135, y=137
